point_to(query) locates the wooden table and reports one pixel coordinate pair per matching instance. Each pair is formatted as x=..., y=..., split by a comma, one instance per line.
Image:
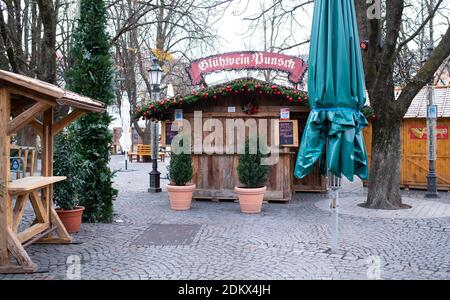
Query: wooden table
x=38, y=190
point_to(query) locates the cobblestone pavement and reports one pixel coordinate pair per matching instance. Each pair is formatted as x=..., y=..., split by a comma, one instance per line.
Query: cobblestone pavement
x=286, y=241
x=420, y=209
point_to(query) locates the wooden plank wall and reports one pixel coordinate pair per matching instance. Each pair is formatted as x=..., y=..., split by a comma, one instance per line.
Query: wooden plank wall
x=414, y=155
x=216, y=175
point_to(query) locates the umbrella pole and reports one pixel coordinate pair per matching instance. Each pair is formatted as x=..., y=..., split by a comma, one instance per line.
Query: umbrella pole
x=126, y=161
x=335, y=184
x=335, y=222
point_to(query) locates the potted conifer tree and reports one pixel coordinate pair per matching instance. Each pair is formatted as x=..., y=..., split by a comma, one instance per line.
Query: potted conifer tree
x=253, y=175
x=69, y=163
x=180, y=174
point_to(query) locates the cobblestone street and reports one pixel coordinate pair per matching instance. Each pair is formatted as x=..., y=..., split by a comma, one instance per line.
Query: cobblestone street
x=286, y=241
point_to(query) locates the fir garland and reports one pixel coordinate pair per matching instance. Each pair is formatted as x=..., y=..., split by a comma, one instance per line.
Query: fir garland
x=245, y=87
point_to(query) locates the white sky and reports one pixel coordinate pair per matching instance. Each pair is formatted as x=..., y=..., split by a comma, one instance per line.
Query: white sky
x=232, y=30
x=232, y=27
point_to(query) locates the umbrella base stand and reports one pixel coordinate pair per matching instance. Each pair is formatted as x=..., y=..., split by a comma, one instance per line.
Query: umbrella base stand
x=126, y=166
x=126, y=171
x=335, y=223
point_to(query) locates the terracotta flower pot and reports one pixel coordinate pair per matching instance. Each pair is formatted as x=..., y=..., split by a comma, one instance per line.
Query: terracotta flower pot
x=180, y=196
x=250, y=200
x=71, y=218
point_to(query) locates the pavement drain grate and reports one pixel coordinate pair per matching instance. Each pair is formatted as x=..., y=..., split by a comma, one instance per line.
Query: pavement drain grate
x=167, y=235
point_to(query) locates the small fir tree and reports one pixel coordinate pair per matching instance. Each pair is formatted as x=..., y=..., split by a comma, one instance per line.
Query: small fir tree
x=92, y=75
x=180, y=168
x=250, y=170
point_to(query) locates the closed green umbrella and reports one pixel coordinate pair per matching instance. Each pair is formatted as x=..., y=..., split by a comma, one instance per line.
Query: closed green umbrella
x=336, y=89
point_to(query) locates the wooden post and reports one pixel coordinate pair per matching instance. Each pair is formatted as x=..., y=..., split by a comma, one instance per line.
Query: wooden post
x=63, y=236
x=5, y=205
x=8, y=240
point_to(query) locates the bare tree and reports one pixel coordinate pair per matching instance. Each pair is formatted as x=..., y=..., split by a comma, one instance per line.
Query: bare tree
x=386, y=45
x=173, y=30
x=274, y=27
x=395, y=58
x=28, y=43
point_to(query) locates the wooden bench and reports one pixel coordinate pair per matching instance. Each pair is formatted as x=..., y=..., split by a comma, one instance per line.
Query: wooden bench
x=142, y=151
x=132, y=154
x=38, y=190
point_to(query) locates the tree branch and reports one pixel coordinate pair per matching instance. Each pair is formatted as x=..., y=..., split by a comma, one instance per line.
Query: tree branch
x=425, y=74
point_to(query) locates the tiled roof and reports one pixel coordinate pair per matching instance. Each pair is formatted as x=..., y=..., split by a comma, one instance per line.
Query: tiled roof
x=418, y=108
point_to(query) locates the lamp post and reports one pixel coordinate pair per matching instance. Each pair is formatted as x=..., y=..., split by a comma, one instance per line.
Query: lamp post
x=432, y=143
x=155, y=74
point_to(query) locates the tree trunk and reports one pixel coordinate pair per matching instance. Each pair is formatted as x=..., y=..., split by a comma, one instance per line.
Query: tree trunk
x=47, y=63
x=384, y=192
x=147, y=136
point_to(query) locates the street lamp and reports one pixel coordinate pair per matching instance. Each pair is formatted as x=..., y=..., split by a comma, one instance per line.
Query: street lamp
x=155, y=75
x=431, y=123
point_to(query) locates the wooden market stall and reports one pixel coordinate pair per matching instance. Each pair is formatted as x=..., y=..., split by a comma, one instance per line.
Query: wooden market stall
x=414, y=166
x=216, y=175
x=26, y=101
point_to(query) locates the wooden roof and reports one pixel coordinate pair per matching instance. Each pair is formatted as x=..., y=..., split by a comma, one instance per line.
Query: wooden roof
x=42, y=91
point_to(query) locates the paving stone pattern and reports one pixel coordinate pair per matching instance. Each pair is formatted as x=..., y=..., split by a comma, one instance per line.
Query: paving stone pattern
x=286, y=241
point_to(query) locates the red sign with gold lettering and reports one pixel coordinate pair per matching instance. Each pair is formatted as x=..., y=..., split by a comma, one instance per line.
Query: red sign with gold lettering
x=420, y=133
x=294, y=66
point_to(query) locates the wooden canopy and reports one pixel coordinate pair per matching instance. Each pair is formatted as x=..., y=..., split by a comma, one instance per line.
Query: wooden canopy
x=27, y=101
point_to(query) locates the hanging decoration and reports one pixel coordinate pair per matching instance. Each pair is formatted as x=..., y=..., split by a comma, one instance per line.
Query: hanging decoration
x=250, y=108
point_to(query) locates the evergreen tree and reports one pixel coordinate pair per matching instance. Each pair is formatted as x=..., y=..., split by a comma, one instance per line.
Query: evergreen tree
x=92, y=75
x=252, y=173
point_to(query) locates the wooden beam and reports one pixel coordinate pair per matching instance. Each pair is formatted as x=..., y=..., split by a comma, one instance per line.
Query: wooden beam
x=24, y=118
x=47, y=163
x=63, y=237
x=16, y=248
x=72, y=117
x=80, y=105
x=39, y=237
x=34, y=230
x=11, y=269
x=30, y=94
x=5, y=203
x=19, y=210
x=39, y=209
x=38, y=127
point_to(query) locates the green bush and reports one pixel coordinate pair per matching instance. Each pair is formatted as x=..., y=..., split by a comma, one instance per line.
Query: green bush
x=250, y=170
x=69, y=163
x=180, y=168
